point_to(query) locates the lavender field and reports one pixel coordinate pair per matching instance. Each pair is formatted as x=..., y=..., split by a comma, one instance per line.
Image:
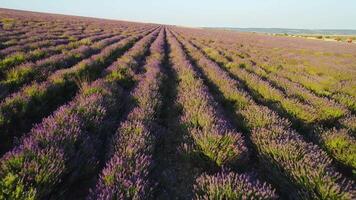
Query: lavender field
x=103, y=109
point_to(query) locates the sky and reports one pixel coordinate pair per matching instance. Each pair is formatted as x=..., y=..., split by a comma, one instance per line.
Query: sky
x=310, y=14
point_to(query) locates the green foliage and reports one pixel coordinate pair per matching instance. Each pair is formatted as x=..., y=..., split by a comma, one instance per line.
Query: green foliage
x=272, y=68
x=34, y=91
x=92, y=90
x=242, y=65
x=19, y=75
x=72, y=38
x=231, y=65
x=8, y=23
x=10, y=42
x=109, y=179
x=215, y=55
x=13, y=185
x=331, y=113
x=17, y=108
x=123, y=77
x=297, y=110
x=347, y=100
x=85, y=41
x=11, y=109
x=316, y=87
x=255, y=117
x=219, y=148
x=342, y=146
x=37, y=54
x=12, y=60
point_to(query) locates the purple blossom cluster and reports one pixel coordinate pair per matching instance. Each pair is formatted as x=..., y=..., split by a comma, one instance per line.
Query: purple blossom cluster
x=7, y=35
x=41, y=69
x=202, y=116
x=36, y=36
x=98, y=62
x=302, y=106
x=126, y=175
x=222, y=185
x=40, y=98
x=62, y=148
x=229, y=185
x=131, y=58
x=328, y=106
x=34, y=54
x=321, y=76
x=19, y=55
x=325, y=112
x=26, y=47
x=84, y=104
x=290, y=160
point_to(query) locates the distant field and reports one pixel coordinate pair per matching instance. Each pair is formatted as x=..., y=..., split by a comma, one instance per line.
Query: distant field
x=334, y=38
x=337, y=35
x=295, y=31
x=104, y=109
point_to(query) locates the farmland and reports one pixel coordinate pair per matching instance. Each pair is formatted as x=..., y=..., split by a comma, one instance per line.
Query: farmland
x=104, y=109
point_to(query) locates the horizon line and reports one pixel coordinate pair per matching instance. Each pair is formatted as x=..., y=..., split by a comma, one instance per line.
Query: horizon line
x=181, y=25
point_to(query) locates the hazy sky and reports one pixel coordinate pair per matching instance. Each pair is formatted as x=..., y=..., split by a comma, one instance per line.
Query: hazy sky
x=337, y=14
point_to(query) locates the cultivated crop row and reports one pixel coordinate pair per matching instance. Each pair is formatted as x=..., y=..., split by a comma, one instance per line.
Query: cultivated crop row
x=36, y=100
x=295, y=166
x=275, y=99
x=126, y=174
x=105, y=109
x=74, y=146
x=211, y=136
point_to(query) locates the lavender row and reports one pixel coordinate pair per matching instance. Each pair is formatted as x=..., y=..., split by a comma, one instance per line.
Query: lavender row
x=16, y=55
x=326, y=74
x=128, y=65
x=43, y=39
x=19, y=56
x=30, y=37
x=29, y=25
x=202, y=116
x=49, y=42
x=229, y=185
x=40, y=70
x=337, y=142
x=290, y=89
x=294, y=107
x=35, y=34
x=61, y=149
x=38, y=44
x=332, y=111
x=8, y=35
x=308, y=83
x=126, y=175
x=20, y=110
x=328, y=111
x=70, y=136
x=16, y=58
x=203, y=183
x=299, y=169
